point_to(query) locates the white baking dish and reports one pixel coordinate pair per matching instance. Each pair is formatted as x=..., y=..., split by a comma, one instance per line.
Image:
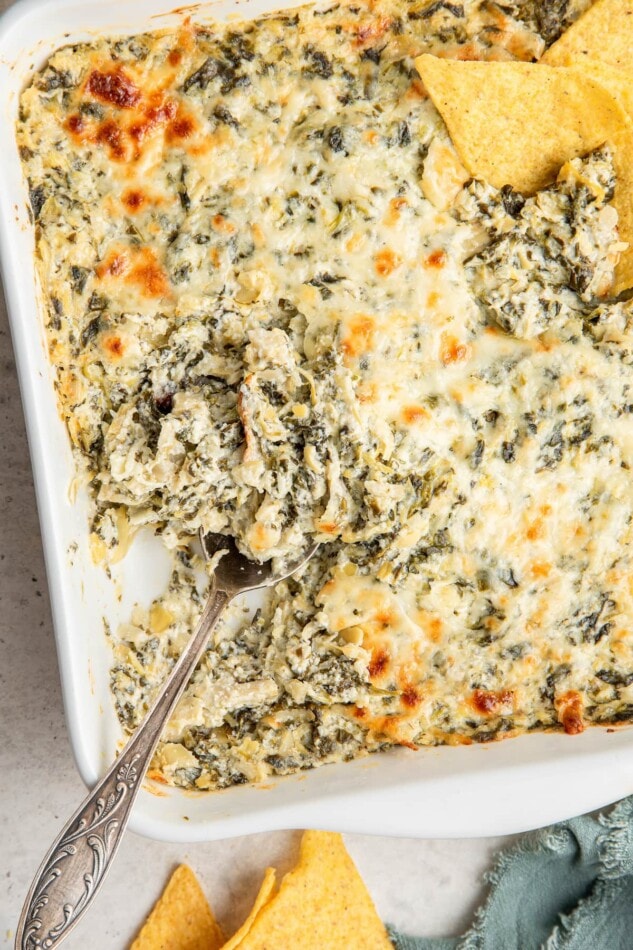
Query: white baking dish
x=466, y=791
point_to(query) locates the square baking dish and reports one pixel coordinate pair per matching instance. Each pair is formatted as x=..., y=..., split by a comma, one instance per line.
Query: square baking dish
x=445, y=792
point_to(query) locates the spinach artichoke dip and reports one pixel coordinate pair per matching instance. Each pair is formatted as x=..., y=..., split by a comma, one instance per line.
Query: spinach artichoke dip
x=278, y=307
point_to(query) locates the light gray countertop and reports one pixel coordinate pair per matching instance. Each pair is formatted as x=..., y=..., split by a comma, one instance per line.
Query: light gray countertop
x=424, y=887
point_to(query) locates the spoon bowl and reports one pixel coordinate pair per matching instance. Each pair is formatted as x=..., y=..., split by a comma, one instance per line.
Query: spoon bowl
x=75, y=865
x=235, y=572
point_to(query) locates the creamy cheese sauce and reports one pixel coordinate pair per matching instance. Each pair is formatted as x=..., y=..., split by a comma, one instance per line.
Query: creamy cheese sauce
x=277, y=308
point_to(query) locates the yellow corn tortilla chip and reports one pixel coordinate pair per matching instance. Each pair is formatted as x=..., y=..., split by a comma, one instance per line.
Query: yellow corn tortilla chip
x=619, y=82
x=263, y=897
x=321, y=903
x=603, y=32
x=518, y=123
x=181, y=919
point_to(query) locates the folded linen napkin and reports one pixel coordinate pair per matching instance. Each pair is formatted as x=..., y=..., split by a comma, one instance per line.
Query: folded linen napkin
x=567, y=887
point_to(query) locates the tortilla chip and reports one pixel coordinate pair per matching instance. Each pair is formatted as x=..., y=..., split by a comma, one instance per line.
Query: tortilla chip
x=263, y=897
x=321, y=903
x=518, y=123
x=603, y=32
x=619, y=82
x=181, y=918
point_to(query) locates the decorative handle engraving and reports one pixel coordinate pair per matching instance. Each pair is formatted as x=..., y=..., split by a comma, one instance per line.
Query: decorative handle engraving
x=72, y=871
x=88, y=842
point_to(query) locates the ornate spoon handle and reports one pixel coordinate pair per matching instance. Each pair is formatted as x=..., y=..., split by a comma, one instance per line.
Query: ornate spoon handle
x=72, y=871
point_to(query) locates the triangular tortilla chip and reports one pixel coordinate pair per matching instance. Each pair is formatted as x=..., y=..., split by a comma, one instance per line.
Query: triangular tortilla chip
x=603, y=32
x=181, y=919
x=321, y=903
x=518, y=123
x=263, y=897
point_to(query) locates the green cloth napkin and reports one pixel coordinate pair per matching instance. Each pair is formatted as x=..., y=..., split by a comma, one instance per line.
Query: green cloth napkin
x=568, y=887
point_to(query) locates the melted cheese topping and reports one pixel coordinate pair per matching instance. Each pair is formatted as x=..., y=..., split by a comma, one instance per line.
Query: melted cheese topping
x=277, y=308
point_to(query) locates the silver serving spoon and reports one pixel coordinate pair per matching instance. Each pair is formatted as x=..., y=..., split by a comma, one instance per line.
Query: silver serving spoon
x=74, y=867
